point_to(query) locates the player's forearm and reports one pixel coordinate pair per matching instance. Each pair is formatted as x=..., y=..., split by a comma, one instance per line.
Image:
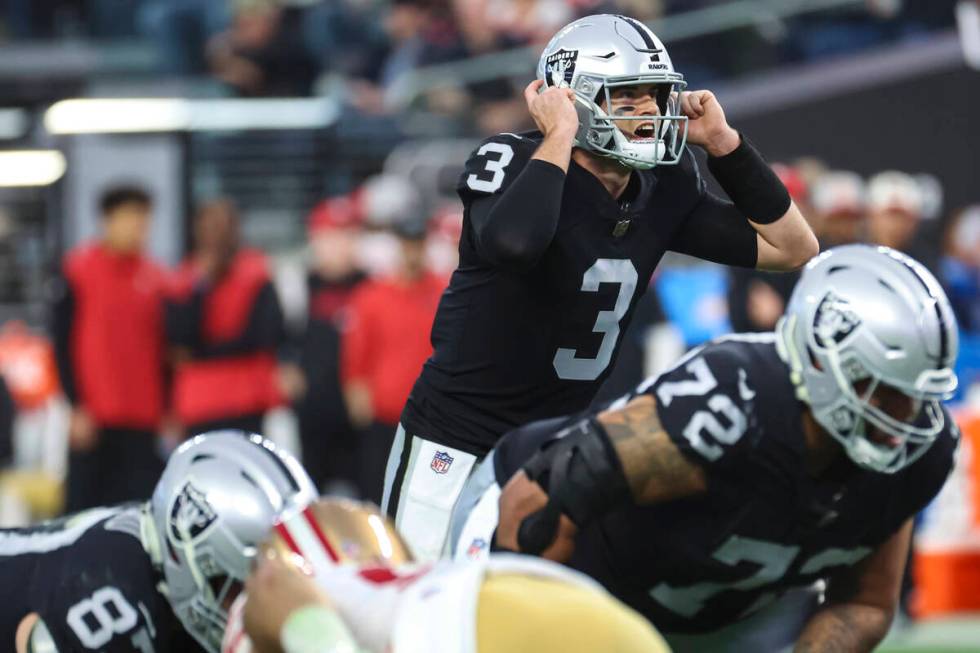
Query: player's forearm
x=786, y=244
x=786, y=241
x=556, y=148
x=654, y=469
x=845, y=628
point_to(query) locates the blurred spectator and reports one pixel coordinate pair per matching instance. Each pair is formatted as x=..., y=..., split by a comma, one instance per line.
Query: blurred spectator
x=960, y=267
x=383, y=349
x=225, y=325
x=385, y=200
x=445, y=230
x=263, y=52
x=894, y=210
x=181, y=29
x=756, y=298
x=7, y=413
x=347, y=36
x=419, y=33
x=108, y=331
x=838, y=200
x=329, y=444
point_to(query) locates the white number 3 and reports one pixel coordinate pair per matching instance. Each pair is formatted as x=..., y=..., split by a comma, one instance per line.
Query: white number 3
x=496, y=166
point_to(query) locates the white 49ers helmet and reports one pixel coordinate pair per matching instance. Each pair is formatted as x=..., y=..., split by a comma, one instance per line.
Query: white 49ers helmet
x=598, y=53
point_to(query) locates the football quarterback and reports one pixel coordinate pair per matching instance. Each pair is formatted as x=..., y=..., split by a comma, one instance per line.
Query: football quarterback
x=563, y=228
x=155, y=576
x=337, y=578
x=756, y=467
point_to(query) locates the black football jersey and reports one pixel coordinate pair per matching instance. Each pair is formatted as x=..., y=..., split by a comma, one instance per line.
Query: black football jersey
x=764, y=525
x=515, y=346
x=91, y=581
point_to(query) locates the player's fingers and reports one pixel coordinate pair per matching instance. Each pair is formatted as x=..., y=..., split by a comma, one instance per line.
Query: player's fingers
x=531, y=90
x=520, y=498
x=691, y=105
x=563, y=547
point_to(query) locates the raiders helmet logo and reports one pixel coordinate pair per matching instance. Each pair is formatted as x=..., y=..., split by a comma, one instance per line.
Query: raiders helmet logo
x=560, y=67
x=191, y=514
x=834, y=320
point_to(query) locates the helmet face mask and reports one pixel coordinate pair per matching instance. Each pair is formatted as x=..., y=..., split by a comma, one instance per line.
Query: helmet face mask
x=871, y=340
x=596, y=54
x=875, y=437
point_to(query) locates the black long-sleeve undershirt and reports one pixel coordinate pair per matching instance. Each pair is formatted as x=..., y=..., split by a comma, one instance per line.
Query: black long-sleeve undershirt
x=264, y=329
x=514, y=229
x=62, y=317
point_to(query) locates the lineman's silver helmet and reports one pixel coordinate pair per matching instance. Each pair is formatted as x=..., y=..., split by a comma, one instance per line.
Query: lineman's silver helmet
x=215, y=502
x=597, y=53
x=871, y=316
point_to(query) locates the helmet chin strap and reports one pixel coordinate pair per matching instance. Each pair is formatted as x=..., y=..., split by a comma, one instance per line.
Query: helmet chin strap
x=786, y=349
x=149, y=537
x=187, y=546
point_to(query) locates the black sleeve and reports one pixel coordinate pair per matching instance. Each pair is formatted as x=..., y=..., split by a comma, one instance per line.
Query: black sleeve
x=7, y=412
x=182, y=319
x=706, y=406
x=512, y=202
x=62, y=318
x=263, y=331
x=514, y=229
x=717, y=231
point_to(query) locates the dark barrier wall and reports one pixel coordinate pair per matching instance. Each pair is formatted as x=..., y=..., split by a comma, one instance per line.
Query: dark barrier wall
x=929, y=124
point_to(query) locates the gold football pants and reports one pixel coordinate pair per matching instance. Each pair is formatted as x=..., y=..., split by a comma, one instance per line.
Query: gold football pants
x=524, y=614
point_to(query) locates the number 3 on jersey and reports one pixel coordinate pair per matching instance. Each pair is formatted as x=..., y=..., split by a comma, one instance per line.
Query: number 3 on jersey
x=494, y=166
x=605, y=270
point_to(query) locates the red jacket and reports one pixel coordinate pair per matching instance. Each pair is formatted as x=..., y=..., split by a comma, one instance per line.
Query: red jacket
x=225, y=386
x=117, y=337
x=387, y=339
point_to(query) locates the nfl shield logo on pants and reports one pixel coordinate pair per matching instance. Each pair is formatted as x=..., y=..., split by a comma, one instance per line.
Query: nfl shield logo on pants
x=441, y=462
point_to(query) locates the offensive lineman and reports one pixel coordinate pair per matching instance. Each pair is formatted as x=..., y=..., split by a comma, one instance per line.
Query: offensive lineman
x=757, y=466
x=563, y=229
x=155, y=576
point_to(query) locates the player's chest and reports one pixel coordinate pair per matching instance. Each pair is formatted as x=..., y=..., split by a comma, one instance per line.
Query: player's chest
x=593, y=250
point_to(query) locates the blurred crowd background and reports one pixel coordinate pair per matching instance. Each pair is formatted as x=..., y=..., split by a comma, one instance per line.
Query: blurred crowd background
x=242, y=213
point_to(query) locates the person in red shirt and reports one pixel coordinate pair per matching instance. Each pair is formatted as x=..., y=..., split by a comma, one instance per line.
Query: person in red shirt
x=225, y=325
x=108, y=333
x=329, y=442
x=383, y=347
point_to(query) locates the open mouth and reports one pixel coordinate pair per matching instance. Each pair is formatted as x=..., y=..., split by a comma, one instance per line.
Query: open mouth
x=884, y=439
x=645, y=131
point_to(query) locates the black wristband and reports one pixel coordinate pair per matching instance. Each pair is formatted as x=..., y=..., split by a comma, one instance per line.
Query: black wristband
x=583, y=478
x=754, y=188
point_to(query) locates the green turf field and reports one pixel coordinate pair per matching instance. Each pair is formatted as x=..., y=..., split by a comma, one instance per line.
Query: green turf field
x=957, y=635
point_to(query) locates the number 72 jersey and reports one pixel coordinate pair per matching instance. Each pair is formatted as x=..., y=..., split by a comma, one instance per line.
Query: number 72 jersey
x=764, y=525
x=91, y=582
x=512, y=346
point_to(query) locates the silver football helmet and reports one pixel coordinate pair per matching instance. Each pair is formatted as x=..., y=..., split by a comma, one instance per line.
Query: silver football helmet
x=215, y=502
x=862, y=317
x=598, y=53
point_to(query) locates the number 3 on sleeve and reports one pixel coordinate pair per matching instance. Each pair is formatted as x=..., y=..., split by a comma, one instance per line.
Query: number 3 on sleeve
x=495, y=166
